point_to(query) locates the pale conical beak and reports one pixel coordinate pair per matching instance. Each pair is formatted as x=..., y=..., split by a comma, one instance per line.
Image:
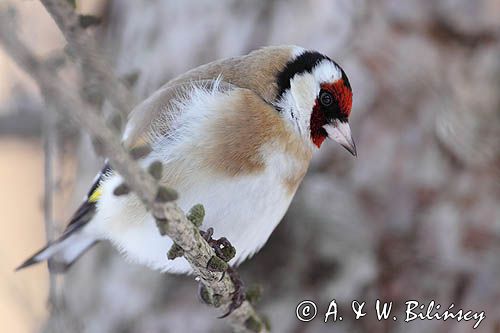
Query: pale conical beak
x=340, y=132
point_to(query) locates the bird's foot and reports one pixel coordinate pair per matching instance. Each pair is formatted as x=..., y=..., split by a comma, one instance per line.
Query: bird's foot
x=207, y=235
x=224, y=252
x=238, y=295
x=237, y=298
x=222, y=247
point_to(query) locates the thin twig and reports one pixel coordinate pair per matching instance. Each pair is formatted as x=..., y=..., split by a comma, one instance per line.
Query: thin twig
x=196, y=250
x=49, y=148
x=84, y=47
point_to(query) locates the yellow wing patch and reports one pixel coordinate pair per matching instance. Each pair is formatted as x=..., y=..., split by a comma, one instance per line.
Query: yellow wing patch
x=94, y=197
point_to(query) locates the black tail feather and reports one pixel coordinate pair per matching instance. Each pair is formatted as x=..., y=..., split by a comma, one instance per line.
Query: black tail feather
x=30, y=261
x=64, y=251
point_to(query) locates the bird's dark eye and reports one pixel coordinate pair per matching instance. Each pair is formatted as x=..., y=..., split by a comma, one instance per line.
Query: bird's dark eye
x=325, y=98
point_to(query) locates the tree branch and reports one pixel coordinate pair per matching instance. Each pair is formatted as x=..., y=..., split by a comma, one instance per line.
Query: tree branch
x=49, y=149
x=173, y=221
x=84, y=47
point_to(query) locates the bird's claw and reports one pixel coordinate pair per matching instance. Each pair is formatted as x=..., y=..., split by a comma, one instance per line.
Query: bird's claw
x=207, y=235
x=222, y=247
x=224, y=251
x=238, y=296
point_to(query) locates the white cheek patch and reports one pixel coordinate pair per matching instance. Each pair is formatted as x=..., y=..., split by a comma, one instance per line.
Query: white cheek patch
x=304, y=91
x=299, y=101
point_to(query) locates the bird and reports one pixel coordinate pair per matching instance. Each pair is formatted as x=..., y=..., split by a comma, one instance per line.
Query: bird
x=236, y=135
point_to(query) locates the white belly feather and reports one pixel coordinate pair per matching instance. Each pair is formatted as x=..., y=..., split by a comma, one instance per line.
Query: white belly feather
x=244, y=210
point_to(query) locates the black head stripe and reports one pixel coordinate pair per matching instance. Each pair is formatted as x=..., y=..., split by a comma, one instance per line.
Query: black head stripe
x=344, y=78
x=303, y=63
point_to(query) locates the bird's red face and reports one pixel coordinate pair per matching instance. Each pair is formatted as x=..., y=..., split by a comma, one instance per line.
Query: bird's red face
x=330, y=115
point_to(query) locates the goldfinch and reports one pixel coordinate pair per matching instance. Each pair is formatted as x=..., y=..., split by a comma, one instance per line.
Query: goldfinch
x=235, y=135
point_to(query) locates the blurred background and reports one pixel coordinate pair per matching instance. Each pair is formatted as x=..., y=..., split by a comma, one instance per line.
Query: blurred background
x=415, y=216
